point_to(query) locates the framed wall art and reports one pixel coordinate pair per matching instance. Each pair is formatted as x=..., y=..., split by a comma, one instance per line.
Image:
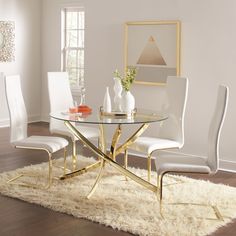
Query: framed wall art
x=7, y=41
x=153, y=47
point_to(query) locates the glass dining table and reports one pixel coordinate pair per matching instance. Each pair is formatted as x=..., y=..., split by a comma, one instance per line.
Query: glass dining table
x=141, y=117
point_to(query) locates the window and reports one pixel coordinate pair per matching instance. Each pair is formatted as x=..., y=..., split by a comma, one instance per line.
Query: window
x=73, y=28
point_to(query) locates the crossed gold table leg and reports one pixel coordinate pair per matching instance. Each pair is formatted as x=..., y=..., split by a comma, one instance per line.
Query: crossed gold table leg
x=104, y=158
x=76, y=172
x=114, y=151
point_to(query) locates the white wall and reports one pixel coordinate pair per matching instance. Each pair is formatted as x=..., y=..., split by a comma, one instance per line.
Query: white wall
x=27, y=16
x=208, y=57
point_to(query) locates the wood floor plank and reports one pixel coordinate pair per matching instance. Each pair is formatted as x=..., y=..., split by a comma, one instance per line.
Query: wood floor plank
x=19, y=218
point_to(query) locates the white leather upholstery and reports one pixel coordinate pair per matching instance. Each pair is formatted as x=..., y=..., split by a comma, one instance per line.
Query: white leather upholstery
x=18, y=121
x=149, y=144
x=61, y=99
x=216, y=126
x=50, y=143
x=171, y=134
x=177, y=163
x=17, y=111
x=169, y=162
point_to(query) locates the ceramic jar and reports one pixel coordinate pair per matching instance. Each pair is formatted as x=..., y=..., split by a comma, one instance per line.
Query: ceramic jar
x=117, y=98
x=127, y=102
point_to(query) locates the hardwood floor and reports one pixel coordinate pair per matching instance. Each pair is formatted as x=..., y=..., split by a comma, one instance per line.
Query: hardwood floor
x=19, y=218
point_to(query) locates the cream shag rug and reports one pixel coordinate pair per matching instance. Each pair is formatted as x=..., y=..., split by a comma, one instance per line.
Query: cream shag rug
x=124, y=205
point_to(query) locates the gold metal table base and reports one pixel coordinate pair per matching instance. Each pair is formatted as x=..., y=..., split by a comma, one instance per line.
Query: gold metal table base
x=81, y=171
x=107, y=159
x=99, y=176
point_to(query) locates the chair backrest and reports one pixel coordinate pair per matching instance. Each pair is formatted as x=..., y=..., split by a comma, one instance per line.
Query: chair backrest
x=60, y=97
x=173, y=127
x=215, y=127
x=16, y=106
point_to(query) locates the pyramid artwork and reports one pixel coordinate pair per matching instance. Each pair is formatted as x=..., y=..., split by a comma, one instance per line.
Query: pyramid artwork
x=151, y=54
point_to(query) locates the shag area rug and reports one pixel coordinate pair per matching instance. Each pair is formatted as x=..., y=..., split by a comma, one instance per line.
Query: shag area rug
x=124, y=205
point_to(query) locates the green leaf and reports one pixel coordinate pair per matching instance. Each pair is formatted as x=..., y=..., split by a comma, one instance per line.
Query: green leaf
x=128, y=78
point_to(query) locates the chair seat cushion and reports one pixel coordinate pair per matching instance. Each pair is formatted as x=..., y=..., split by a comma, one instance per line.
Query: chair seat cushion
x=50, y=143
x=169, y=162
x=88, y=132
x=149, y=144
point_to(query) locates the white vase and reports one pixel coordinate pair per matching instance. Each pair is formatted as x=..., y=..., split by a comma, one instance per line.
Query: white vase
x=107, y=101
x=127, y=101
x=117, y=98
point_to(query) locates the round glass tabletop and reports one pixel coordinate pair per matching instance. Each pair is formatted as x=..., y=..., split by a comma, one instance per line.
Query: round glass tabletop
x=139, y=117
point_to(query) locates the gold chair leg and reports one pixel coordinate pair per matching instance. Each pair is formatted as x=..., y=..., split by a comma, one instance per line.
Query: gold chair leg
x=49, y=171
x=49, y=179
x=65, y=154
x=74, y=157
x=159, y=184
x=149, y=167
x=15, y=178
x=160, y=188
x=126, y=159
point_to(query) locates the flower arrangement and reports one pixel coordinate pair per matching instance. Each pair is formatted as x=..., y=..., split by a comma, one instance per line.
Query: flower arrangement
x=128, y=78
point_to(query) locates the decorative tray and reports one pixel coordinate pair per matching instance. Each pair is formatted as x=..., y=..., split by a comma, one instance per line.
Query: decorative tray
x=118, y=114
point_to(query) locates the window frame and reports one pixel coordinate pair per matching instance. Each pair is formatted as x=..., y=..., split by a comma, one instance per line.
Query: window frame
x=66, y=49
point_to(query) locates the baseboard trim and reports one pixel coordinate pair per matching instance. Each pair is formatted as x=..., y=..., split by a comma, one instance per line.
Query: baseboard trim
x=226, y=165
x=4, y=123
x=34, y=118
x=45, y=118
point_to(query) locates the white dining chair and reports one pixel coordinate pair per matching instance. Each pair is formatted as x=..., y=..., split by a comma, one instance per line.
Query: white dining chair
x=18, y=125
x=171, y=132
x=61, y=99
x=166, y=163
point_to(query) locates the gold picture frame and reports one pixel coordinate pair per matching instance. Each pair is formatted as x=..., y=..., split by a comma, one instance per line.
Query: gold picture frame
x=153, y=47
